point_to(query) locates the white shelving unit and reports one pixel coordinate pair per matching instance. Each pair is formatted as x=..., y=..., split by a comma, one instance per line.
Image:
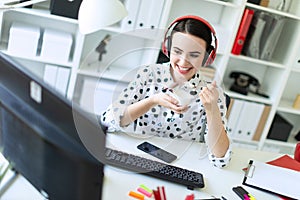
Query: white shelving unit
x=41, y=17
x=278, y=78
x=128, y=50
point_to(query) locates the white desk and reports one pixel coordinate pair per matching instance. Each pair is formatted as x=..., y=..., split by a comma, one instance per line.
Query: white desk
x=118, y=183
x=218, y=182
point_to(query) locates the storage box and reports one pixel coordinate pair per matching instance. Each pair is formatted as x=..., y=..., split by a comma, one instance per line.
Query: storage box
x=65, y=8
x=56, y=45
x=23, y=39
x=280, y=129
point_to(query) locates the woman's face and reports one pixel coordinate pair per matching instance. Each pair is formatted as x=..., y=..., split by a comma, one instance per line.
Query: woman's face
x=186, y=55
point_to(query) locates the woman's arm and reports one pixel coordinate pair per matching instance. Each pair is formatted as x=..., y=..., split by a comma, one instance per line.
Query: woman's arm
x=218, y=141
x=135, y=110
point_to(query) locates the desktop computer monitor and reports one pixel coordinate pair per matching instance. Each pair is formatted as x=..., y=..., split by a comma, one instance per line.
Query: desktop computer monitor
x=39, y=136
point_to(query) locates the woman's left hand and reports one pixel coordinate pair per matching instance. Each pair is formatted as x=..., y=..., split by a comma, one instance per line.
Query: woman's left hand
x=209, y=95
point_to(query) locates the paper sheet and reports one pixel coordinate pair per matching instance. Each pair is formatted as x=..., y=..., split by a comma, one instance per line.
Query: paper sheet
x=274, y=179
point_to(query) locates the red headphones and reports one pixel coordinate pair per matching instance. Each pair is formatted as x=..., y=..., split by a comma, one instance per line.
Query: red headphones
x=211, y=54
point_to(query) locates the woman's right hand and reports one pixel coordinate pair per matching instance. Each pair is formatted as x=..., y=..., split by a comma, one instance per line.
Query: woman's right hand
x=168, y=101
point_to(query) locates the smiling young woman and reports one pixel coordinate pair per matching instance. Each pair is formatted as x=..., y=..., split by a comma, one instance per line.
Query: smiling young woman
x=172, y=99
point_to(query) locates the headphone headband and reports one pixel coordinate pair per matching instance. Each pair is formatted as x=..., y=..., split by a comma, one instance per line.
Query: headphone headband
x=213, y=52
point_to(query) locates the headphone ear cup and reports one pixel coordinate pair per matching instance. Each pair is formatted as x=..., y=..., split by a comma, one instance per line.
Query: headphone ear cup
x=166, y=46
x=169, y=44
x=209, y=56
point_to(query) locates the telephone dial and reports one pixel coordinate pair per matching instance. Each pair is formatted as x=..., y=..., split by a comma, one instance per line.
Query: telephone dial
x=243, y=82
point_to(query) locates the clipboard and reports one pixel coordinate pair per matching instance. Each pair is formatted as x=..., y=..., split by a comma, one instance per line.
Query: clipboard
x=274, y=179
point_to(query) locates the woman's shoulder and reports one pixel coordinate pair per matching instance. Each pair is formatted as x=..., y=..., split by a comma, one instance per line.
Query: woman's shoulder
x=157, y=68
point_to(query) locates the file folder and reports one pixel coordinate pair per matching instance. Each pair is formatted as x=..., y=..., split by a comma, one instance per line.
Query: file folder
x=143, y=14
x=271, y=36
x=57, y=77
x=50, y=74
x=242, y=31
x=62, y=80
x=149, y=15
x=274, y=179
x=263, y=35
x=129, y=22
x=155, y=13
x=234, y=115
x=261, y=125
x=248, y=120
x=252, y=45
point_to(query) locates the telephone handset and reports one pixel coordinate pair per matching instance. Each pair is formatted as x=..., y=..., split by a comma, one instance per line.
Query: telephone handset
x=242, y=82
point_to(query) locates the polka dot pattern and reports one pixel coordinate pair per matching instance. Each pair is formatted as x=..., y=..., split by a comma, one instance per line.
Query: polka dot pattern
x=161, y=121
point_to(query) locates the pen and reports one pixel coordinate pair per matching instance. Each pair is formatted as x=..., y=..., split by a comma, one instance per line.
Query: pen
x=246, y=197
x=251, y=197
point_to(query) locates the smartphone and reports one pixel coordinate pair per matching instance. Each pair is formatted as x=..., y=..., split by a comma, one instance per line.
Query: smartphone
x=157, y=152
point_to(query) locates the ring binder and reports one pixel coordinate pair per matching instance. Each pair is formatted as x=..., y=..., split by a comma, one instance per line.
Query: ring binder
x=263, y=35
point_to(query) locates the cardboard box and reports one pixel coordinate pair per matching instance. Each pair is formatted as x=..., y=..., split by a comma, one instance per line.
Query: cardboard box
x=23, y=39
x=56, y=45
x=296, y=103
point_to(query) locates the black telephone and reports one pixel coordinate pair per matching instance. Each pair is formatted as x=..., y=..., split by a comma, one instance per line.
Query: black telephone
x=242, y=82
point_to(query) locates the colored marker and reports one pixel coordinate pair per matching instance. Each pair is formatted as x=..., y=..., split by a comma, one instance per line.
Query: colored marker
x=145, y=192
x=136, y=195
x=246, y=197
x=251, y=197
x=145, y=188
x=190, y=197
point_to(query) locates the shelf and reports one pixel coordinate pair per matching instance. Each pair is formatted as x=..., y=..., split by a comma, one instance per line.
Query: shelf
x=44, y=13
x=41, y=60
x=249, y=97
x=287, y=107
x=270, y=10
x=258, y=61
x=251, y=142
x=290, y=143
x=37, y=17
x=296, y=70
x=115, y=73
x=150, y=34
x=224, y=3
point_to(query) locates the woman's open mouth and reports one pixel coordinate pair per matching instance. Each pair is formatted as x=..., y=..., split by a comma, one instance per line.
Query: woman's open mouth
x=184, y=70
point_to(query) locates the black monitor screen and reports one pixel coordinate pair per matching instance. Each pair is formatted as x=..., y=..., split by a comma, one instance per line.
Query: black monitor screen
x=44, y=136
